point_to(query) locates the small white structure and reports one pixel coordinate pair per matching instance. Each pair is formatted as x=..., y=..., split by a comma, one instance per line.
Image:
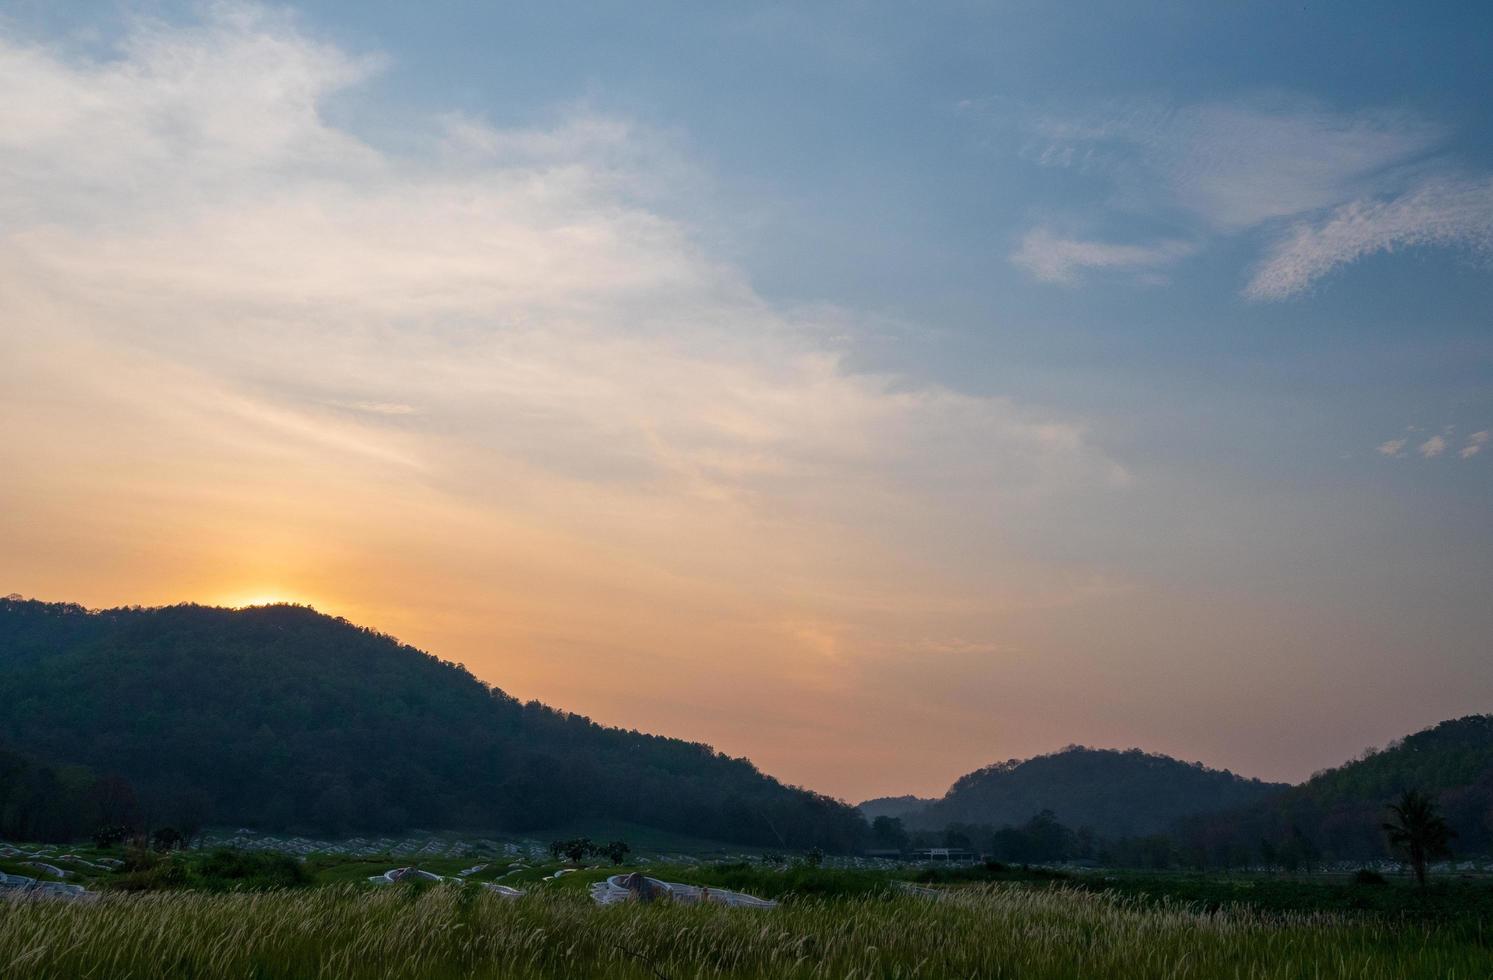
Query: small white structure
x=636, y=887
x=59, y=889
x=20, y=886
x=394, y=875
x=502, y=891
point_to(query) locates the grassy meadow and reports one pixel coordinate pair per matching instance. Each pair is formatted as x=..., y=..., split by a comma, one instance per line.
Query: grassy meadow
x=982, y=930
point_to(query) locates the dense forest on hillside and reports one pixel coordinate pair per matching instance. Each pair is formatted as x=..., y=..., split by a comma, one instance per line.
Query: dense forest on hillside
x=285, y=719
x=1115, y=793
x=1338, y=813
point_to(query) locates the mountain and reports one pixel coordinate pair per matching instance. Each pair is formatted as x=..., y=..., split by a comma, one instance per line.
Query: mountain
x=282, y=718
x=1338, y=813
x=892, y=806
x=1113, y=793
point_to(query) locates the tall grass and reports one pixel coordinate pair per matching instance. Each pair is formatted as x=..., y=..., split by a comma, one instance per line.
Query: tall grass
x=990, y=931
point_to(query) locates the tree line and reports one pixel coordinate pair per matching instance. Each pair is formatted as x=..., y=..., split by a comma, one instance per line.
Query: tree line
x=1412, y=830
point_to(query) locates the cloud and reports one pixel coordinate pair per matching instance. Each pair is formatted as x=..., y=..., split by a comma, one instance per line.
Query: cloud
x=1237, y=165
x=1475, y=444
x=1441, y=211
x=1432, y=447
x=1345, y=184
x=1051, y=258
x=1392, y=447
x=223, y=309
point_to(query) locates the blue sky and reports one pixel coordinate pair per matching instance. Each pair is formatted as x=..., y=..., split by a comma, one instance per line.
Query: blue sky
x=1120, y=342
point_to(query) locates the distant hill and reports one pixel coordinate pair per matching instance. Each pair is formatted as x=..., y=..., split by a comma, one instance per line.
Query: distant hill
x=282, y=718
x=1113, y=793
x=892, y=806
x=1338, y=813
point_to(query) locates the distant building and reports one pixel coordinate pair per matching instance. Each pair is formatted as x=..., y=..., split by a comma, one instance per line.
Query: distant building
x=945, y=855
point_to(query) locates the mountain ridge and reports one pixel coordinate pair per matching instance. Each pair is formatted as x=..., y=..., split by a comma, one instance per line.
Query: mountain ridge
x=1117, y=792
x=282, y=717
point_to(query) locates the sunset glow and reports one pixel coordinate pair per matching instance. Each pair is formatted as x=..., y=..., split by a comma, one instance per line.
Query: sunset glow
x=962, y=419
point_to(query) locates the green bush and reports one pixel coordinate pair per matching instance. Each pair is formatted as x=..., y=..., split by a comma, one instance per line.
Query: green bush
x=251, y=870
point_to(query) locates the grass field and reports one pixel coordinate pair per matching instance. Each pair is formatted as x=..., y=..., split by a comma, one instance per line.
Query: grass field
x=997, y=930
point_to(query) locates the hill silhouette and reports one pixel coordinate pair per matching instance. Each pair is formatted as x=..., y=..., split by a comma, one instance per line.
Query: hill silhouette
x=282, y=718
x=1337, y=814
x=900, y=807
x=1113, y=793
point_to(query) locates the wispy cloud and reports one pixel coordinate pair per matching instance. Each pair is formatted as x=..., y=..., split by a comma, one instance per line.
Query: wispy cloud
x=1441, y=211
x=1347, y=184
x=1051, y=258
x=1237, y=165
x=1475, y=444
x=1392, y=447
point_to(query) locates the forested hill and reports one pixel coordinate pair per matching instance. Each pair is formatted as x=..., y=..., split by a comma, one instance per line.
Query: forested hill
x=1113, y=793
x=901, y=807
x=279, y=717
x=1338, y=813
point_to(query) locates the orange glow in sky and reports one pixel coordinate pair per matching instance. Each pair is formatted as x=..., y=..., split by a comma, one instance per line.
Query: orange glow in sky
x=492, y=390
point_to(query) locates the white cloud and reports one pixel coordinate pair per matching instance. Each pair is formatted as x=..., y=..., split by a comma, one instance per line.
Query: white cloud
x=1439, y=211
x=1051, y=258
x=1392, y=447
x=190, y=248
x=1432, y=447
x=1475, y=444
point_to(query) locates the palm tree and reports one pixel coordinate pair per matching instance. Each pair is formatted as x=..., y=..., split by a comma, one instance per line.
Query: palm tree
x=1417, y=832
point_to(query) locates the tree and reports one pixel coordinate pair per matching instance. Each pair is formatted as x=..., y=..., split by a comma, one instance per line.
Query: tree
x=1417, y=832
x=576, y=849
x=167, y=839
x=954, y=837
x=109, y=834
x=889, y=833
x=615, y=851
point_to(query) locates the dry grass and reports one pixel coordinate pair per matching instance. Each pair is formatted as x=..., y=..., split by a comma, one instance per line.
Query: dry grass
x=351, y=933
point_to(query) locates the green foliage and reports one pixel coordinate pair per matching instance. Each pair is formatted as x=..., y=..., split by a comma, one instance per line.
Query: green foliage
x=614, y=851
x=577, y=849
x=798, y=881
x=284, y=719
x=888, y=833
x=219, y=870
x=255, y=870
x=109, y=835
x=990, y=871
x=1339, y=814
x=41, y=801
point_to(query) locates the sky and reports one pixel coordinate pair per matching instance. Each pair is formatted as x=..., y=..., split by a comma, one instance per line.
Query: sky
x=874, y=390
